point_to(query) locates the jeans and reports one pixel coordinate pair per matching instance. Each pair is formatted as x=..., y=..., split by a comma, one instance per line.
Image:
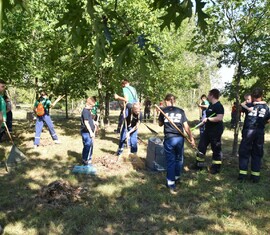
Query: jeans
x=87, y=148
x=132, y=141
x=174, y=153
x=39, y=125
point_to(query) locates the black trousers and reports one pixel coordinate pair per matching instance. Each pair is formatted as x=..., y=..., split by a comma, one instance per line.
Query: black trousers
x=251, y=146
x=212, y=137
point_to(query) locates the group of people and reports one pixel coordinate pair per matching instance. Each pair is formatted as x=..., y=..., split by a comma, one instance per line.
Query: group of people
x=175, y=123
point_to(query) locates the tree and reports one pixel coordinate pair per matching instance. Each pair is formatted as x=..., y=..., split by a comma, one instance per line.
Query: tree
x=239, y=31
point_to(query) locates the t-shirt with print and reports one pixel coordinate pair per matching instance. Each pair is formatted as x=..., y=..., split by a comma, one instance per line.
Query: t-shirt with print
x=86, y=115
x=214, y=109
x=177, y=115
x=256, y=118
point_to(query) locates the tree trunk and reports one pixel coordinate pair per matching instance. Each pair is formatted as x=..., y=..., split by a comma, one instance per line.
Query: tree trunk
x=66, y=101
x=1, y=15
x=237, y=128
x=101, y=108
x=107, y=108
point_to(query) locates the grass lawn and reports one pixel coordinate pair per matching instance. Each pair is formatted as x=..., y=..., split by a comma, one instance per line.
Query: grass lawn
x=121, y=199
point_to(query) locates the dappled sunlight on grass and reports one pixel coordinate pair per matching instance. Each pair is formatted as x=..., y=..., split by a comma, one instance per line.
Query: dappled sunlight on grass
x=122, y=200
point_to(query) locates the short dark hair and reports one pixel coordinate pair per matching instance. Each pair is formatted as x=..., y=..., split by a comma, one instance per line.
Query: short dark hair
x=42, y=93
x=170, y=97
x=203, y=96
x=2, y=81
x=215, y=93
x=257, y=93
x=124, y=82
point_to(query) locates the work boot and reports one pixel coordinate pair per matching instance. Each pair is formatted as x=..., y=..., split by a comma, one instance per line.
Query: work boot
x=242, y=177
x=255, y=179
x=215, y=169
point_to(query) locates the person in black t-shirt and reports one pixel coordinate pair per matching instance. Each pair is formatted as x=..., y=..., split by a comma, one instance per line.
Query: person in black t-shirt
x=173, y=140
x=256, y=116
x=147, y=109
x=88, y=126
x=212, y=134
x=130, y=133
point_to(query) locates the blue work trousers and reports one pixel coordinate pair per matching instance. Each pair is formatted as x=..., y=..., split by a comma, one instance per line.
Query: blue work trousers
x=174, y=153
x=39, y=125
x=251, y=146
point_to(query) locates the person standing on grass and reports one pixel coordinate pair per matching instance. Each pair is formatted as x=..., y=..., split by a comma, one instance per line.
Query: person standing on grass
x=130, y=97
x=173, y=140
x=94, y=110
x=147, y=109
x=256, y=116
x=212, y=133
x=203, y=106
x=3, y=110
x=130, y=94
x=8, y=117
x=9, y=113
x=130, y=134
x=88, y=127
x=41, y=109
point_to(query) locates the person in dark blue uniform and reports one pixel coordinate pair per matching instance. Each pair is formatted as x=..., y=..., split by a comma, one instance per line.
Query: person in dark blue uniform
x=212, y=133
x=251, y=146
x=173, y=140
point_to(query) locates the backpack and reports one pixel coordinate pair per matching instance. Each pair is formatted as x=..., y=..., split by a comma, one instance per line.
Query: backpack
x=40, y=111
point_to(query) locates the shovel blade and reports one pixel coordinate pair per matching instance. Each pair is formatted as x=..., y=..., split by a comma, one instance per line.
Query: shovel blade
x=15, y=156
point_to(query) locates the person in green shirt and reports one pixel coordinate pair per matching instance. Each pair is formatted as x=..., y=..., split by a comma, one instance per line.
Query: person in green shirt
x=3, y=114
x=130, y=94
x=94, y=110
x=45, y=117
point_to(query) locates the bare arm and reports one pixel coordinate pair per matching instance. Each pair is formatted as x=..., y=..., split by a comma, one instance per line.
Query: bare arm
x=244, y=105
x=218, y=118
x=259, y=102
x=117, y=97
x=188, y=131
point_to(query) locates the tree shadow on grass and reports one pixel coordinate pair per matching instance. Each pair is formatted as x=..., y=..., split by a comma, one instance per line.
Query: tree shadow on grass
x=74, y=155
x=136, y=202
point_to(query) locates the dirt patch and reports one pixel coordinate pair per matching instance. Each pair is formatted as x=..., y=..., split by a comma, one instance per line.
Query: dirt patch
x=111, y=164
x=59, y=193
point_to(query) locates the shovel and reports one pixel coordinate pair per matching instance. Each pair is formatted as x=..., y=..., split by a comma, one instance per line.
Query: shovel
x=15, y=154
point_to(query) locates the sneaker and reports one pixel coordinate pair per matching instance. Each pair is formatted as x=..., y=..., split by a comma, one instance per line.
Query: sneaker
x=87, y=163
x=177, y=179
x=35, y=146
x=172, y=189
x=57, y=142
